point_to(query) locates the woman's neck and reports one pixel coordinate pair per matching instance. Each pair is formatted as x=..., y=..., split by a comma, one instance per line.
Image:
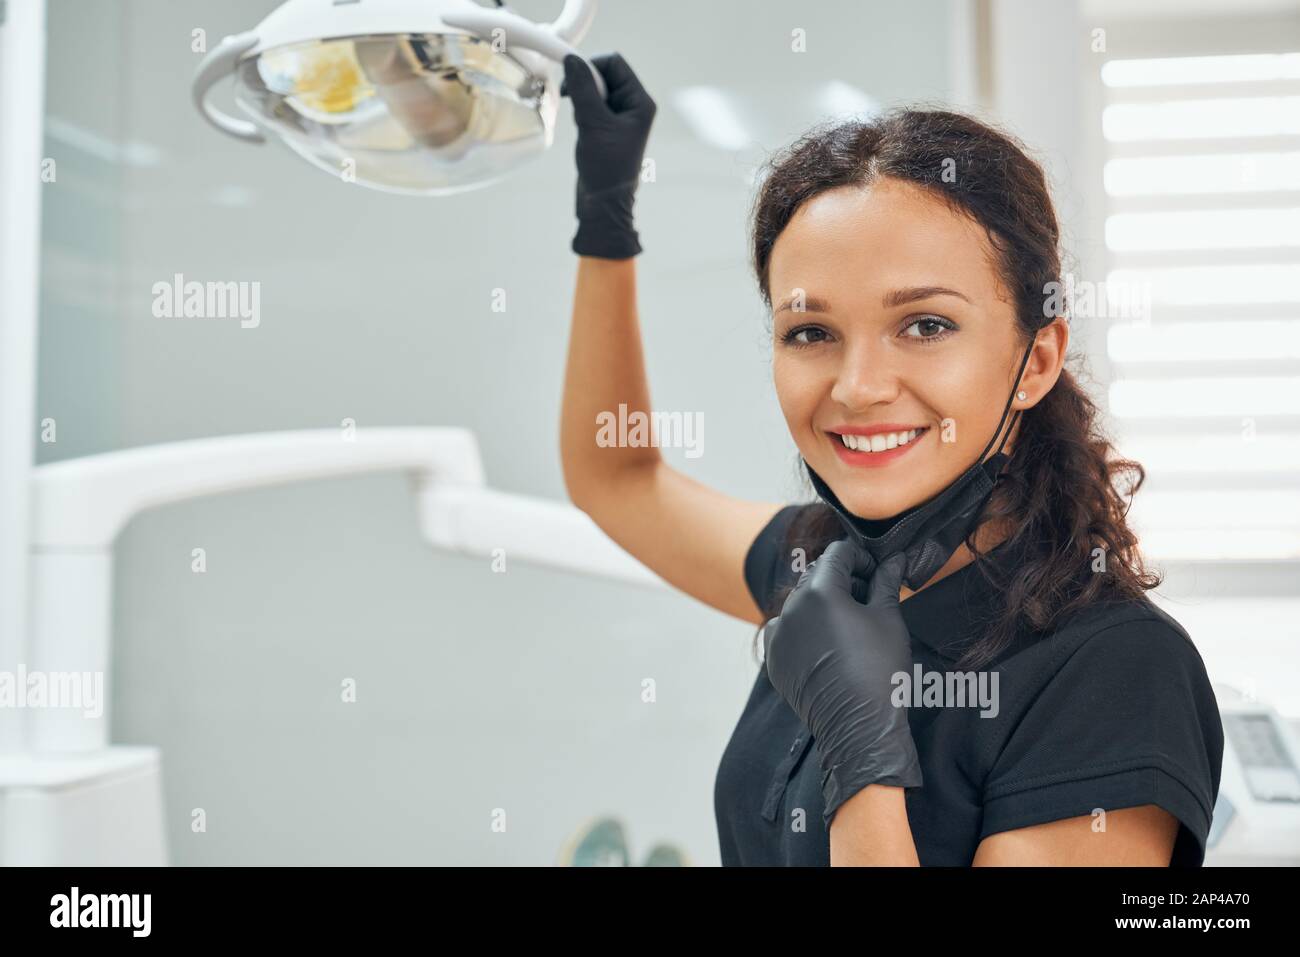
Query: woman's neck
x=986, y=538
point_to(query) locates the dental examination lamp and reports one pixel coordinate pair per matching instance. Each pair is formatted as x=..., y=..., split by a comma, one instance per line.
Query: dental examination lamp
x=426, y=97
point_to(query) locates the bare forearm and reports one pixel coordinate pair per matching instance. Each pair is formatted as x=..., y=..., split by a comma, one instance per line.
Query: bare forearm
x=605, y=369
x=871, y=829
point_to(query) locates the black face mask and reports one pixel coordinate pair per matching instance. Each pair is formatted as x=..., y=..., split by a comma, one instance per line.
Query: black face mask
x=930, y=532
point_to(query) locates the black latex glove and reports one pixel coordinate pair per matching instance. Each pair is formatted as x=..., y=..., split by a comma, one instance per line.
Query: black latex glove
x=833, y=660
x=612, y=137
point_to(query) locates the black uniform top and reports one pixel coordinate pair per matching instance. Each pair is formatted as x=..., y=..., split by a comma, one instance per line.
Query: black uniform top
x=1113, y=709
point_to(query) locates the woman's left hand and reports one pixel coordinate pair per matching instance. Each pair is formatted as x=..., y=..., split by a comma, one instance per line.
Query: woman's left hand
x=833, y=659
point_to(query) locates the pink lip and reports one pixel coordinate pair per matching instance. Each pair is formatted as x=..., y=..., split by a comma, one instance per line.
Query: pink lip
x=872, y=460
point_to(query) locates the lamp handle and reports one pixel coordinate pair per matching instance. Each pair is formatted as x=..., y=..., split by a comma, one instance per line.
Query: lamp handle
x=219, y=63
x=519, y=32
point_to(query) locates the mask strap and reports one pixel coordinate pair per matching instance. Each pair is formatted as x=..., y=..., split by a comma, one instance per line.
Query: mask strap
x=1015, y=418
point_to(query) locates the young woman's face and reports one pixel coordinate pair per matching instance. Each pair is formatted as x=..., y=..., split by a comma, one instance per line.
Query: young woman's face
x=904, y=325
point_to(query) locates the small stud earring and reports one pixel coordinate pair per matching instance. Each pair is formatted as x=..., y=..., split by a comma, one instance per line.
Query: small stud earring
x=1021, y=395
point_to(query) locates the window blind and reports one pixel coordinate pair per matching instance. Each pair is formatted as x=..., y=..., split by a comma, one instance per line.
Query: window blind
x=1202, y=235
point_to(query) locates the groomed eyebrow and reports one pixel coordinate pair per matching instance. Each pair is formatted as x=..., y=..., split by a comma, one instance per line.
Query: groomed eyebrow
x=897, y=297
x=901, y=297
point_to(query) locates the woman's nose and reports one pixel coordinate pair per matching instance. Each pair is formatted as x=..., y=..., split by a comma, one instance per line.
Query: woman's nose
x=865, y=378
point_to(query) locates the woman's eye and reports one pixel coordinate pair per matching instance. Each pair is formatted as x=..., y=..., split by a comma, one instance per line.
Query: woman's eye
x=933, y=328
x=804, y=336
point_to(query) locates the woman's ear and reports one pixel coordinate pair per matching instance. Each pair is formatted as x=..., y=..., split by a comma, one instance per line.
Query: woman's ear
x=1046, y=359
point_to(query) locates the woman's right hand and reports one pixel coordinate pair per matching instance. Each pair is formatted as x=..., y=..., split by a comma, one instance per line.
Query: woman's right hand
x=612, y=136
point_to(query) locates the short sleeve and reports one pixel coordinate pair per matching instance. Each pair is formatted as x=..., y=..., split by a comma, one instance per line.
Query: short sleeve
x=769, y=562
x=1129, y=718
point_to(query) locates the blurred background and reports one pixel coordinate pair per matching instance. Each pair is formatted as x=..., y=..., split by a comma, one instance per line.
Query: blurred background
x=1171, y=131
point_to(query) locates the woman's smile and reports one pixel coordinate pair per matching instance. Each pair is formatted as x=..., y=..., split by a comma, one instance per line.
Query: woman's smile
x=875, y=447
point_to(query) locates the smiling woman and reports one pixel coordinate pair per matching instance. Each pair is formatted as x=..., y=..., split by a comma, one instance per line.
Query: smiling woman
x=908, y=258
x=912, y=257
x=944, y=319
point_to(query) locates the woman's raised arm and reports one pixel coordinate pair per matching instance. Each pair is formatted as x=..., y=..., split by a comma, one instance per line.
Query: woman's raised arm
x=690, y=535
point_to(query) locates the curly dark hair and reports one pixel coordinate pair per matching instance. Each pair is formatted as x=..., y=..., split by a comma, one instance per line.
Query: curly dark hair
x=1060, y=495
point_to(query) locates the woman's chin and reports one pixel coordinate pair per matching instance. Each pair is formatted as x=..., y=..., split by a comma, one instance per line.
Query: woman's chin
x=875, y=497
x=874, y=506
x=874, y=513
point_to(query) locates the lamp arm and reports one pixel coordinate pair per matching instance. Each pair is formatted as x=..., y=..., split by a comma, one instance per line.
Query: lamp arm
x=85, y=502
x=82, y=504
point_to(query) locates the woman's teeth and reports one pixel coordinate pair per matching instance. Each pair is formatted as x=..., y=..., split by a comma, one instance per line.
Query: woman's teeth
x=880, y=442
